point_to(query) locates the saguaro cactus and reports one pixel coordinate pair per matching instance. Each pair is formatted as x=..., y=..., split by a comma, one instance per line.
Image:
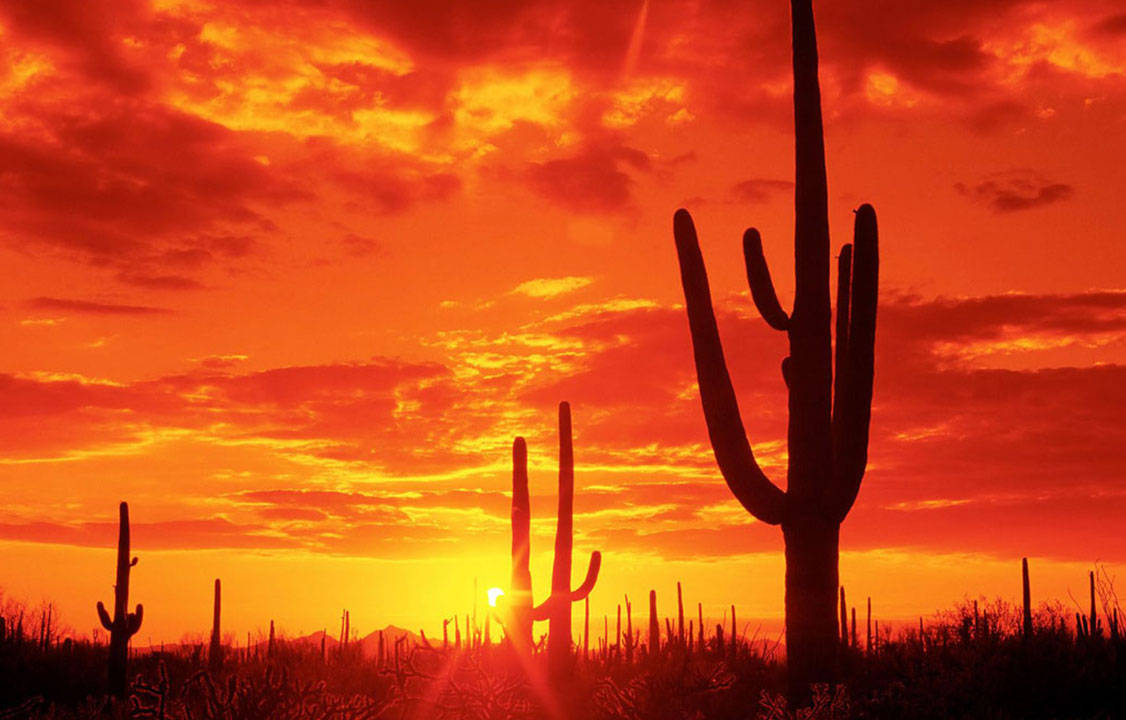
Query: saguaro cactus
x=828, y=425
x=124, y=624
x=215, y=652
x=557, y=607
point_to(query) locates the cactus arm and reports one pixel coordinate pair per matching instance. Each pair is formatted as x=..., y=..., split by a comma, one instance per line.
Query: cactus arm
x=856, y=404
x=840, y=356
x=733, y=452
x=542, y=611
x=583, y=590
x=762, y=287
x=107, y=623
x=134, y=621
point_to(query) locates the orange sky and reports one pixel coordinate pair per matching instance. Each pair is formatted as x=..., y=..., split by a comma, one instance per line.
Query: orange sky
x=290, y=276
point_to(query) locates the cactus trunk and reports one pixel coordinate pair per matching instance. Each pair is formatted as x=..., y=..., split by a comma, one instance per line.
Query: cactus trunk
x=829, y=408
x=559, y=629
x=124, y=624
x=519, y=630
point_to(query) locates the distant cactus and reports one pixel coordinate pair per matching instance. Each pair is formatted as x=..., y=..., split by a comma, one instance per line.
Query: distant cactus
x=1094, y=626
x=1026, y=597
x=654, y=626
x=557, y=607
x=828, y=426
x=629, y=630
x=215, y=652
x=679, y=615
x=124, y=624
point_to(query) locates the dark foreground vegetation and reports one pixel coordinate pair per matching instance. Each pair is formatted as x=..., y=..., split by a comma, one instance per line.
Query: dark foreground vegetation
x=971, y=662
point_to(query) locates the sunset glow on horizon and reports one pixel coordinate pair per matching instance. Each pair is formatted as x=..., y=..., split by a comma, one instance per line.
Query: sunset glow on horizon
x=290, y=277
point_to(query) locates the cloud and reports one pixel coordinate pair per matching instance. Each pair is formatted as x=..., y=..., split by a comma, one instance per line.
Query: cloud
x=593, y=181
x=130, y=184
x=159, y=282
x=969, y=431
x=87, y=307
x=1015, y=191
x=88, y=35
x=1112, y=25
x=759, y=189
x=551, y=287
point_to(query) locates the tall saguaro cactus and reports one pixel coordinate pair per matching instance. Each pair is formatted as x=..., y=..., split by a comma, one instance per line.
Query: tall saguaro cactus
x=557, y=607
x=828, y=424
x=124, y=624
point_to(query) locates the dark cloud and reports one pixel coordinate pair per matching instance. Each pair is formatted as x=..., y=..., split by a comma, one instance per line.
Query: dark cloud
x=593, y=181
x=125, y=184
x=1018, y=190
x=1111, y=25
x=88, y=34
x=756, y=190
x=159, y=282
x=91, y=308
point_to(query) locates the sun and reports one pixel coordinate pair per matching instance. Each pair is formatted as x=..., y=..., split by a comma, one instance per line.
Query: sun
x=494, y=593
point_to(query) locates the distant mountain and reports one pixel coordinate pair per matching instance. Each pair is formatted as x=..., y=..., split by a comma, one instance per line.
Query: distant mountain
x=391, y=633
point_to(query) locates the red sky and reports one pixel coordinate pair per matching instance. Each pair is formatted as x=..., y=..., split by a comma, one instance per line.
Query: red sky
x=289, y=277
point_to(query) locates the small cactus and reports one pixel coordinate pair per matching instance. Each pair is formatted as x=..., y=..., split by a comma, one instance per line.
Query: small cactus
x=679, y=615
x=557, y=607
x=1026, y=596
x=124, y=624
x=215, y=652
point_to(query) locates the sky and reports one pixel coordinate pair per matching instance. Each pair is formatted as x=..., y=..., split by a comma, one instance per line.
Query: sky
x=290, y=276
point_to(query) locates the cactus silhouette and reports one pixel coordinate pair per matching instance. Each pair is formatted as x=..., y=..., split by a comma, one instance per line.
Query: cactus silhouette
x=519, y=629
x=1026, y=598
x=557, y=607
x=215, y=652
x=124, y=624
x=828, y=425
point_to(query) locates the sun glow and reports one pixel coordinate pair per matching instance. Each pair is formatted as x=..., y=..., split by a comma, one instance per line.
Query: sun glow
x=494, y=594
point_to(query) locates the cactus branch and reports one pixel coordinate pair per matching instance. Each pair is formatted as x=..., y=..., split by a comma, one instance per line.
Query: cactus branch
x=851, y=423
x=762, y=287
x=733, y=452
